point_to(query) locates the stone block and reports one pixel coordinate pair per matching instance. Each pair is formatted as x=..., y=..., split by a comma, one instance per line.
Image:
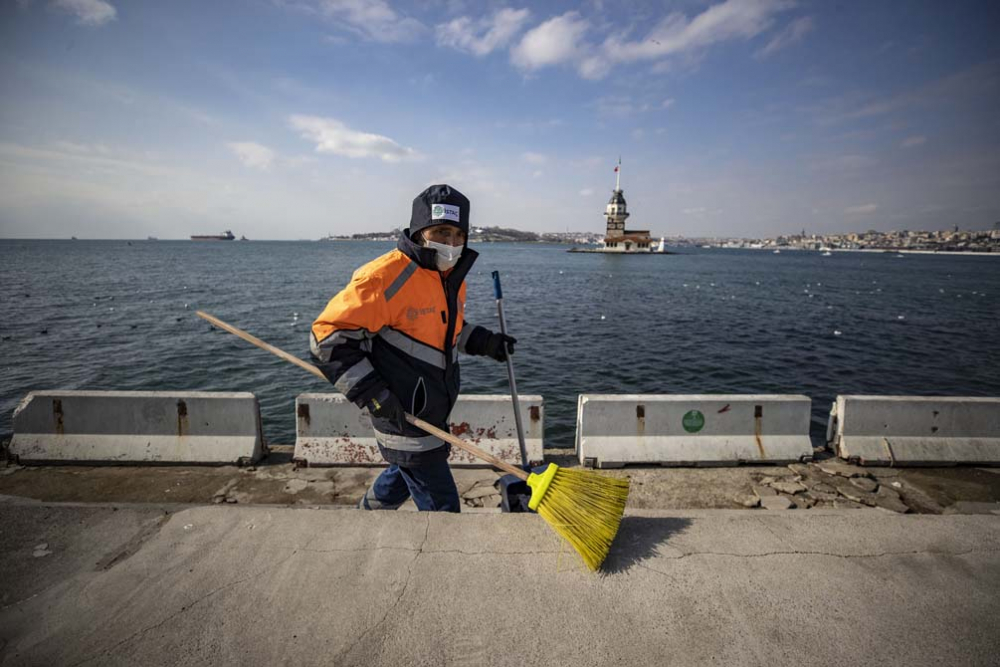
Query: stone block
x=776, y=502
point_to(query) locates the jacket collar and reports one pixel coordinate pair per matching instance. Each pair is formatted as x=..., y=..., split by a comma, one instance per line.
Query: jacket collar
x=425, y=257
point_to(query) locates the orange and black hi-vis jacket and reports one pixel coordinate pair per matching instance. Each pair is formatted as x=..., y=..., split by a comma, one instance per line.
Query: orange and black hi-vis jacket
x=399, y=324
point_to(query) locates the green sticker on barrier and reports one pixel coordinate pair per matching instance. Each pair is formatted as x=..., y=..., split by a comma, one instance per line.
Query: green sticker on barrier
x=693, y=421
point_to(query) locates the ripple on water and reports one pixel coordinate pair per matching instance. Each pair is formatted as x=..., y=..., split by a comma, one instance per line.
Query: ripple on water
x=670, y=323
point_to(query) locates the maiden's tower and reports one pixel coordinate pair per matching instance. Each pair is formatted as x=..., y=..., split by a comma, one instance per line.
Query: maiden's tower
x=616, y=237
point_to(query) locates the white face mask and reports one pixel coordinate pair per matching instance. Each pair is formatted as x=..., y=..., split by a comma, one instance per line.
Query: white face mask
x=447, y=255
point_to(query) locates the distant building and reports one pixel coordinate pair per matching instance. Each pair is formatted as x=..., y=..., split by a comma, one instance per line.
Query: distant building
x=616, y=237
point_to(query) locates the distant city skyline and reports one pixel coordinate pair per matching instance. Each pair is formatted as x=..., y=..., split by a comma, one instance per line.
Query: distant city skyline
x=289, y=119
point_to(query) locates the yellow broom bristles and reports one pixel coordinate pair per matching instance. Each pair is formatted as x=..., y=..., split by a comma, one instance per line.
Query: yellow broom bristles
x=585, y=508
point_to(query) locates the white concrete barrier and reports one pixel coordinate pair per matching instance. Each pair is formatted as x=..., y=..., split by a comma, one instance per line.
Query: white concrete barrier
x=915, y=430
x=330, y=430
x=137, y=427
x=675, y=430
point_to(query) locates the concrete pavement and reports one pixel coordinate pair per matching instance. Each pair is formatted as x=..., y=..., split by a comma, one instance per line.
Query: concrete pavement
x=264, y=585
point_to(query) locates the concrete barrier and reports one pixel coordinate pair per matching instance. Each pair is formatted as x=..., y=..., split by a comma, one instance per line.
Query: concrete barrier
x=137, y=427
x=915, y=430
x=678, y=430
x=330, y=430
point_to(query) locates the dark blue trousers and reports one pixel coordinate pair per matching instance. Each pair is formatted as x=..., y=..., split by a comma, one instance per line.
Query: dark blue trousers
x=430, y=484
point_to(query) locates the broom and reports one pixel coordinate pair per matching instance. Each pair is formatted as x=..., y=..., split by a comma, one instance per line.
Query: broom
x=583, y=507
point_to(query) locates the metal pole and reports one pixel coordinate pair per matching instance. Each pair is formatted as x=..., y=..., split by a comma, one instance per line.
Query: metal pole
x=510, y=371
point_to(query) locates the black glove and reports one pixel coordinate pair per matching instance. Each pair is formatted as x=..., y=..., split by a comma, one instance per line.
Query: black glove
x=498, y=345
x=385, y=405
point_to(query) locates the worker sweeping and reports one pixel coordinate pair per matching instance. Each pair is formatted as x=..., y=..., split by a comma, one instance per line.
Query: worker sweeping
x=389, y=342
x=583, y=507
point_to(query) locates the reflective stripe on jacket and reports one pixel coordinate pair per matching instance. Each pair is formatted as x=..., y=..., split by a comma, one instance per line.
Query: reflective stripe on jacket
x=398, y=324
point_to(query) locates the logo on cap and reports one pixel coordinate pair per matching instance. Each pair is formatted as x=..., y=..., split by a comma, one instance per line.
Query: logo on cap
x=445, y=212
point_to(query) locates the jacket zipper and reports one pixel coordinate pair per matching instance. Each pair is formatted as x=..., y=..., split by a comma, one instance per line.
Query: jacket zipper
x=449, y=333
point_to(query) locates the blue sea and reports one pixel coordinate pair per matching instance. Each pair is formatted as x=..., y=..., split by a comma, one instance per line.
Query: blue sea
x=120, y=315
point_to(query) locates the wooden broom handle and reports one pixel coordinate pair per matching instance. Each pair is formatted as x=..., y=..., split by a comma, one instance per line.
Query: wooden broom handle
x=419, y=423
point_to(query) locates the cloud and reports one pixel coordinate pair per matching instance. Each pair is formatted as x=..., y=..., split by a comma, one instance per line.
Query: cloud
x=88, y=12
x=373, y=20
x=910, y=142
x=676, y=34
x=586, y=192
x=73, y=147
x=534, y=158
x=620, y=106
x=332, y=136
x=561, y=40
x=483, y=36
x=860, y=210
x=845, y=162
x=555, y=41
x=792, y=34
x=253, y=154
x=667, y=103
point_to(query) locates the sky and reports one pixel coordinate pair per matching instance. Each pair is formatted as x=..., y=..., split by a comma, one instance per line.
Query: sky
x=294, y=119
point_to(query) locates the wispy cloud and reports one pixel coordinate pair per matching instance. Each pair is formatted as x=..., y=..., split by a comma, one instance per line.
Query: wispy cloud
x=482, y=36
x=676, y=34
x=861, y=209
x=848, y=162
x=792, y=34
x=622, y=106
x=586, y=192
x=910, y=142
x=534, y=158
x=555, y=41
x=372, y=20
x=74, y=147
x=253, y=154
x=667, y=103
x=88, y=12
x=967, y=88
x=562, y=40
x=333, y=136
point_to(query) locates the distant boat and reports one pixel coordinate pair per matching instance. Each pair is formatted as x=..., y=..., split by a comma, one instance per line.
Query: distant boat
x=72, y=238
x=225, y=236
x=827, y=254
x=900, y=255
x=777, y=252
x=244, y=238
x=152, y=238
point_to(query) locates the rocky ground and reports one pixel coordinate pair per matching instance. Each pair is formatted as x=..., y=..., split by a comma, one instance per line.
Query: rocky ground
x=828, y=483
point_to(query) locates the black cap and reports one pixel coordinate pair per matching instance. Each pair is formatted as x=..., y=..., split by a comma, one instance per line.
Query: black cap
x=439, y=205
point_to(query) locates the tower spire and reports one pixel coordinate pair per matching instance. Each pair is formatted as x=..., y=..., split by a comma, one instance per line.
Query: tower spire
x=618, y=174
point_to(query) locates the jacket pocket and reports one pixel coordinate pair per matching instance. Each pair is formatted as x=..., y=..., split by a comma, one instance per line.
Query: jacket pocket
x=418, y=402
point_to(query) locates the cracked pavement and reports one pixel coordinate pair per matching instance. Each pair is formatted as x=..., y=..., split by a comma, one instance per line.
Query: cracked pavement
x=174, y=585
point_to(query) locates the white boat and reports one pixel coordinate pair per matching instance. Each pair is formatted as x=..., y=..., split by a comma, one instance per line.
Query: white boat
x=776, y=252
x=827, y=254
x=662, y=247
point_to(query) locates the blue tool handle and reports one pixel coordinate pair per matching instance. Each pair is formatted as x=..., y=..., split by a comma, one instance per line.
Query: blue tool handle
x=497, y=292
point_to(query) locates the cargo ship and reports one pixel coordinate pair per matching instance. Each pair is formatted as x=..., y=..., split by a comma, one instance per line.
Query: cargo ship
x=225, y=236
